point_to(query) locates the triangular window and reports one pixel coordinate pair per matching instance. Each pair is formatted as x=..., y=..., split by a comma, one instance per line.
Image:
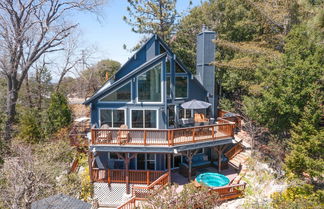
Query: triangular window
x=122, y=94
x=162, y=49
x=179, y=69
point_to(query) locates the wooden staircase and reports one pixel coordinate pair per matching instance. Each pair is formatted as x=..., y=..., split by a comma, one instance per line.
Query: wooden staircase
x=239, y=159
x=237, y=155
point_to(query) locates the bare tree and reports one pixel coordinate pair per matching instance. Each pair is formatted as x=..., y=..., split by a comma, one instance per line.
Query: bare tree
x=70, y=59
x=28, y=30
x=23, y=181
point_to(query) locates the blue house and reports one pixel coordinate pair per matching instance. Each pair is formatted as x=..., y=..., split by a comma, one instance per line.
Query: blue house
x=140, y=130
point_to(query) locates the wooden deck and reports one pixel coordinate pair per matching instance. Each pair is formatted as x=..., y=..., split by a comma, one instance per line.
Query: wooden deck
x=165, y=137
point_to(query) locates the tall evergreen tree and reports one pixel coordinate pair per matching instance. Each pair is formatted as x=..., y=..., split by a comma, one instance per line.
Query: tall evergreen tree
x=152, y=16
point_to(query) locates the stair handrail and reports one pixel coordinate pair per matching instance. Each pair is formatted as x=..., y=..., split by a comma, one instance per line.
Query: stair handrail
x=131, y=202
x=162, y=179
x=235, y=150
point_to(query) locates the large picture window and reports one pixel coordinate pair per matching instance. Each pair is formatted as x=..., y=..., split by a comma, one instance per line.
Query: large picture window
x=144, y=119
x=181, y=86
x=112, y=117
x=123, y=94
x=149, y=85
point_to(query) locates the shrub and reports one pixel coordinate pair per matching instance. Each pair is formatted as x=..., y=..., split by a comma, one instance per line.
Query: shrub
x=59, y=114
x=189, y=197
x=30, y=128
x=301, y=196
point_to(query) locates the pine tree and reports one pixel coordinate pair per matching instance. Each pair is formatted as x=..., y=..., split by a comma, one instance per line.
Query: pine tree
x=152, y=16
x=59, y=114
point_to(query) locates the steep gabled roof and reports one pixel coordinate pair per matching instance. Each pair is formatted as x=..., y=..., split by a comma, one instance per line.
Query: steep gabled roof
x=99, y=94
x=111, y=83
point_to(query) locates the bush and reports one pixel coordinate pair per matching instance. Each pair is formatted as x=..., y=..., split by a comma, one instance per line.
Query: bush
x=189, y=197
x=30, y=128
x=302, y=196
x=59, y=114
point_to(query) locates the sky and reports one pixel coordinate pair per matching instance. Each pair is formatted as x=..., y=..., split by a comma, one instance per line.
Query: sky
x=107, y=36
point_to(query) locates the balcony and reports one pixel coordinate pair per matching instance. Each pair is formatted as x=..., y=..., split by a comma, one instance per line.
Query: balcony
x=222, y=129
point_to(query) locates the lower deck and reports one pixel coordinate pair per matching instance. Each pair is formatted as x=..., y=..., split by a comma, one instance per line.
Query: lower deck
x=113, y=195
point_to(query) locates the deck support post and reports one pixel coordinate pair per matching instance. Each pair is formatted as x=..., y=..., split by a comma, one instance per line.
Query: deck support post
x=169, y=168
x=189, y=154
x=91, y=164
x=126, y=159
x=220, y=149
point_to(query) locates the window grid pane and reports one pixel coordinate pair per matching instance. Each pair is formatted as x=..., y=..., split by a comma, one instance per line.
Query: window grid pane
x=122, y=94
x=150, y=119
x=181, y=87
x=118, y=118
x=149, y=85
x=106, y=117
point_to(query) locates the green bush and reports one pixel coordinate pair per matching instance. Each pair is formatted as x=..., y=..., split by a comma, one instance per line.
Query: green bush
x=304, y=196
x=30, y=128
x=59, y=114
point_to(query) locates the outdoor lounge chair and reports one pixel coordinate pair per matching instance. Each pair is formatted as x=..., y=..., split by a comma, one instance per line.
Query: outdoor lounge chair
x=199, y=117
x=123, y=135
x=104, y=135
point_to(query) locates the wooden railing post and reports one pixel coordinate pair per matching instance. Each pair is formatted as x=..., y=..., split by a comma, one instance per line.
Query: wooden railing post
x=168, y=136
x=193, y=134
x=148, y=177
x=109, y=176
x=144, y=137
x=93, y=132
x=213, y=132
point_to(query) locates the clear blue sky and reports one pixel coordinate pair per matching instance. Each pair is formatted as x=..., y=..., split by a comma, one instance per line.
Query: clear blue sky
x=109, y=35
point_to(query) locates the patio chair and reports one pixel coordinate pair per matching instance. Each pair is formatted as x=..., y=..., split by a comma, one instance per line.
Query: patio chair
x=199, y=117
x=123, y=135
x=104, y=135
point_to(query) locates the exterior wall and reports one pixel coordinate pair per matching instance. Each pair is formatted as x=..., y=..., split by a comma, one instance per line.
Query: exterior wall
x=150, y=50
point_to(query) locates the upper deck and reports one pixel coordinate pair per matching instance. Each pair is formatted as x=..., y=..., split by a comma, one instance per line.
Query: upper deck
x=222, y=129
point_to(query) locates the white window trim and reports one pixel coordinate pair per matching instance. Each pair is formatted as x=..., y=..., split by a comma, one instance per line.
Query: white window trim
x=146, y=161
x=99, y=116
x=162, y=91
x=157, y=117
x=166, y=90
x=118, y=102
x=175, y=86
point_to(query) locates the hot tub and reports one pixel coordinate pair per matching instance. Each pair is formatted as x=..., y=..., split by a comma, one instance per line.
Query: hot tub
x=212, y=179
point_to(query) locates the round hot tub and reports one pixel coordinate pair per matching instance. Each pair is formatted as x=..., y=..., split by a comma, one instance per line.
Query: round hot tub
x=212, y=179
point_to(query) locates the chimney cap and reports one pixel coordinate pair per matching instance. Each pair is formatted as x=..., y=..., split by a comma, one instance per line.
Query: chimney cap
x=205, y=29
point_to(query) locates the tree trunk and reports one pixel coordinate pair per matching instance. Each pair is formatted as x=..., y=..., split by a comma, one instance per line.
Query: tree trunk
x=30, y=102
x=12, y=97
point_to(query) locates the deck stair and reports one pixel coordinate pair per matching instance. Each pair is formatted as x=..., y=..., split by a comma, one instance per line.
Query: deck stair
x=238, y=154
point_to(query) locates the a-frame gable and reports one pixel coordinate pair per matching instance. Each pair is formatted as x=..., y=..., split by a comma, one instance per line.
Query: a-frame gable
x=110, y=88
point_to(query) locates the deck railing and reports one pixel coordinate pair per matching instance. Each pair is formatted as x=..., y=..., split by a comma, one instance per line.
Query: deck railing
x=230, y=191
x=163, y=137
x=119, y=176
x=78, y=135
x=145, y=191
x=236, y=119
x=140, y=193
x=236, y=149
